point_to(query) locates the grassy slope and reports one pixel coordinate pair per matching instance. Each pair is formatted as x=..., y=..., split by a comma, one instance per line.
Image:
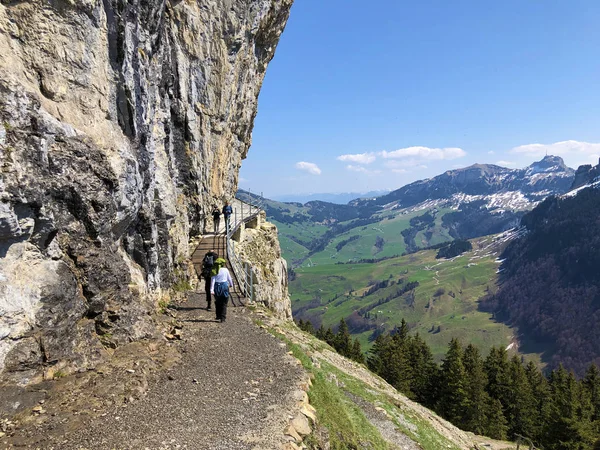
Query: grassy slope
x=389, y=228
x=466, y=277
x=300, y=231
x=338, y=384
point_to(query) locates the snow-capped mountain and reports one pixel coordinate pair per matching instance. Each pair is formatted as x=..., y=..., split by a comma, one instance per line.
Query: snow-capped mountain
x=497, y=188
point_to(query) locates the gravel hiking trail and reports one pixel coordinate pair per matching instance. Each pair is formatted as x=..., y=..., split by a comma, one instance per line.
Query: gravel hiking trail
x=232, y=389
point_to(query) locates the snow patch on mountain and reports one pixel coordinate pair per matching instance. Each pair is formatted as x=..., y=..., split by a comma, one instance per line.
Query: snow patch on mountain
x=495, y=203
x=595, y=184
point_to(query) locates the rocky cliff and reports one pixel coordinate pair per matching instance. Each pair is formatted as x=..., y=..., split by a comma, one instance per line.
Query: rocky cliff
x=120, y=123
x=586, y=174
x=257, y=244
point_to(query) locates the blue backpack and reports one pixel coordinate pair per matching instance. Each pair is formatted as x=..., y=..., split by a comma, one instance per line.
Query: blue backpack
x=222, y=289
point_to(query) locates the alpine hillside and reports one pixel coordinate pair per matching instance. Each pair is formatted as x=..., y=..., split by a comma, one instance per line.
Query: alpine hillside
x=459, y=204
x=550, y=281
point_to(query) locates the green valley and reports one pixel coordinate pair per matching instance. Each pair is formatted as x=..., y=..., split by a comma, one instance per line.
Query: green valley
x=372, y=262
x=441, y=301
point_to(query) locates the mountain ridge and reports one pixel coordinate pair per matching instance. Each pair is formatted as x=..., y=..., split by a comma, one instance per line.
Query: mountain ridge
x=547, y=176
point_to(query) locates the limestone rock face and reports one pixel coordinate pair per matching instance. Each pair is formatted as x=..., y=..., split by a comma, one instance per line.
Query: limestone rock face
x=121, y=121
x=259, y=246
x=586, y=174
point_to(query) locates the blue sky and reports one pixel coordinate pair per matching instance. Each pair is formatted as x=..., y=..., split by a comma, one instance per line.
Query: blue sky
x=373, y=95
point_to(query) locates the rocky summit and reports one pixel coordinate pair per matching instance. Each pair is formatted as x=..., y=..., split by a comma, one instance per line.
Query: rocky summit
x=121, y=123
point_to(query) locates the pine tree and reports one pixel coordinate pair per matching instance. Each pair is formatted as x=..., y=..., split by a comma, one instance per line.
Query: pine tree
x=320, y=334
x=477, y=399
x=496, y=369
x=308, y=327
x=329, y=337
x=377, y=357
x=400, y=368
x=453, y=397
x=565, y=428
x=591, y=384
x=342, y=341
x=357, y=353
x=541, y=398
x=496, y=422
x=425, y=372
x=521, y=408
x=587, y=428
x=401, y=334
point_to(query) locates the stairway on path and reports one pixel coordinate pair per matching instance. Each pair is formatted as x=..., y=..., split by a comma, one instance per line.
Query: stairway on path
x=218, y=244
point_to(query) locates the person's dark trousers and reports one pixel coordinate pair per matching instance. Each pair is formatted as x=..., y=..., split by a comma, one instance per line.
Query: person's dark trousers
x=217, y=226
x=207, y=289
x=221, y=307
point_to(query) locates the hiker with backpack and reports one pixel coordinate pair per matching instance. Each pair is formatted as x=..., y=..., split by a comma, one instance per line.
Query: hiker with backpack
x=208, y=264
x=227, y=211
x=216, y=218
x=220, y=284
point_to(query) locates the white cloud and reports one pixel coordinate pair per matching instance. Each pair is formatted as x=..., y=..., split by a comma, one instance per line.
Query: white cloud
x=399, y=170
x=563, y=148
x=361, y=169
x=491, y=152
x=309, y=167
x=505, y=163
x=360, y=158
x=425, y=153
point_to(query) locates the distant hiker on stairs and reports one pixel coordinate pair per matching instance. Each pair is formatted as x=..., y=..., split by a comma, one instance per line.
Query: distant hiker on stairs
x=227, y=211
x=216, y=218
x=220, y=284
x=208, y=264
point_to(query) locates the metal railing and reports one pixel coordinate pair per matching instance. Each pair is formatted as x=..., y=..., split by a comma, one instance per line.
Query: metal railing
x=242, y=271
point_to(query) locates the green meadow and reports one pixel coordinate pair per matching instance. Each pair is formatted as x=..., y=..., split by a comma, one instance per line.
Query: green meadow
x=443, y=306
x=381, y=239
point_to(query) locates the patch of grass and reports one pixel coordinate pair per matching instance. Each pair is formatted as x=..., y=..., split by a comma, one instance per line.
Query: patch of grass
x=163, y=304
x=295, y=349
x=181, y=286
x=347, y=425
x=410, y=423
x=59, y=374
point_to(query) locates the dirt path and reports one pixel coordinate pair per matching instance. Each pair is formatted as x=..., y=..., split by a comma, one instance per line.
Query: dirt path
x=201, y=402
